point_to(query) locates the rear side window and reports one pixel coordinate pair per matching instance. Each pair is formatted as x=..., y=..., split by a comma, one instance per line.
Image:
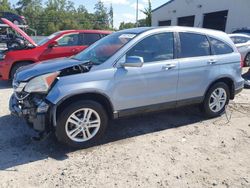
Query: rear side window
x=220, y=47
x=157, y=47
x=90, y=38
x=194, y=45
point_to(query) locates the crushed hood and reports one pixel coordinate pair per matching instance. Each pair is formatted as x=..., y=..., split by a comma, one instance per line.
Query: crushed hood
x=20, y=31
x=33, y=70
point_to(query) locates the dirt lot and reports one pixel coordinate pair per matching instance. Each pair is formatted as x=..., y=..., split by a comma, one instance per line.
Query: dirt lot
x=176, y=148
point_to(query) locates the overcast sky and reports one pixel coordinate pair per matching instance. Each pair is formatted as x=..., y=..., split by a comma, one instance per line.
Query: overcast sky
x=124, y=10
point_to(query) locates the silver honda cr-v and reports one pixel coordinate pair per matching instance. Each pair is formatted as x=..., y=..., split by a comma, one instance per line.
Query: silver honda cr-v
x=126, y=73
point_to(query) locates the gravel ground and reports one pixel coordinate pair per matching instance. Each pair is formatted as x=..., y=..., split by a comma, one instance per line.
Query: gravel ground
x=175, y=148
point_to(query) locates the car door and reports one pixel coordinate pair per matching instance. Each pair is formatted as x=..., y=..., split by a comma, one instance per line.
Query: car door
x=67, y=45
x=196, y=66
x=153, y=83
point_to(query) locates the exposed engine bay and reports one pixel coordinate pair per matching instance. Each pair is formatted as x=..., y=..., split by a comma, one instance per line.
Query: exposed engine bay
x=77, y=69
x=11, y=40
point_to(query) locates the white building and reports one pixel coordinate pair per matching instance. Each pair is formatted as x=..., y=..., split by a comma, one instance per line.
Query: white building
x=225, y=15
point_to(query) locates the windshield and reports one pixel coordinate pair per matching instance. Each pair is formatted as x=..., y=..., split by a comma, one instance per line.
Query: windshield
x=102, y=50
x=46, y=39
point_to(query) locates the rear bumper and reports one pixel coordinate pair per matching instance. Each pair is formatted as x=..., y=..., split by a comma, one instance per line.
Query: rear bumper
x=239, y=86
x=238, y=91
x=38, y=119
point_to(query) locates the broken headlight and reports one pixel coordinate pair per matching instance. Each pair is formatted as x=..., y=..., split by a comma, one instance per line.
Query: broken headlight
x=41, y=84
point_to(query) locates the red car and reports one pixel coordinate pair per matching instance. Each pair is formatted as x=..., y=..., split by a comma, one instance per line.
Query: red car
x=22, y=50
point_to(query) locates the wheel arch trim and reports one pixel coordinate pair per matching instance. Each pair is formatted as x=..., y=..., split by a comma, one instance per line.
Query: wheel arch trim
x=223, y=79
x=80, y=94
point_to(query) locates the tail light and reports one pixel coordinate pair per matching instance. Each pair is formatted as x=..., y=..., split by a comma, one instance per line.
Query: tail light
x=241, y=62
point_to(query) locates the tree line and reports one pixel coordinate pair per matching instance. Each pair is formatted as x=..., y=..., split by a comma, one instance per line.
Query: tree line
x=55, y=15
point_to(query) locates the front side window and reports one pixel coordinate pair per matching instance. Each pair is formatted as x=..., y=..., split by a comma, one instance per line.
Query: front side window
x=157, y=47
x=220, y=47
x=69, y=40
x=47, y=39
x=193, y=45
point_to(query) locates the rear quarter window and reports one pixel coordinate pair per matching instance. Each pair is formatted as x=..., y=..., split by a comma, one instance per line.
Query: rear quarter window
x=219, y=47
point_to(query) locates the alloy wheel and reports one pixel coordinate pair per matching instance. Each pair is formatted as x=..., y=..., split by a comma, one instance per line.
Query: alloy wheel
x=217, y=100
x=82, y=125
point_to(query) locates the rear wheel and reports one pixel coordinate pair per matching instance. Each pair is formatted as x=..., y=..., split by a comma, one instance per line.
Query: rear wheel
x=216, y=100
x=17, y=66
x=82, y=124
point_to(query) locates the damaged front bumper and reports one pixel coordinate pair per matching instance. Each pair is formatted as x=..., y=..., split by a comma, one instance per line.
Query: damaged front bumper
x=37, y=115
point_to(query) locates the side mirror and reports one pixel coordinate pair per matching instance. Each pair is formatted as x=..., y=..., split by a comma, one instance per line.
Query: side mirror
x=53, y=44
x=133, y=61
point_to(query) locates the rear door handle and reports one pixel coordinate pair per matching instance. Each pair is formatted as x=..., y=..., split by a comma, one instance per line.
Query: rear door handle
x=212, y=61
x=168, y=66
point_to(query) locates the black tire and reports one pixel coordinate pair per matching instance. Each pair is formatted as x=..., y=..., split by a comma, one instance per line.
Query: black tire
x=63, y=117
x=205, y=105
x=247, y=60
x=17, y=66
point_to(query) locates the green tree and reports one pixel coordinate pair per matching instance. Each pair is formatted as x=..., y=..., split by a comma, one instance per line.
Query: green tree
x=101, y=16
x=128, y=25
x=142, y=23
x=50, y=16
x=5, y=6
x=111, y=16
x=148, y=12
x=32, y=10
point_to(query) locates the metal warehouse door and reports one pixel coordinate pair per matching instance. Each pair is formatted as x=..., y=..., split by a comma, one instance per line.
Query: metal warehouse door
x=216, y=20
x=186, y=21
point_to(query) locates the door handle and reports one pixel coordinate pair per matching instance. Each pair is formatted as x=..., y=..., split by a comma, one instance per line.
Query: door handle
x=168, y=66
x=212, y=61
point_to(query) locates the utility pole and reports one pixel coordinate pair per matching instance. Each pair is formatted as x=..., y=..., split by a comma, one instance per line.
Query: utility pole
x=137, y=14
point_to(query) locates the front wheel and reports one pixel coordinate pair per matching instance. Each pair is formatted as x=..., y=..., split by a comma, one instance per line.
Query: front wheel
x=216, y=100
x=81, y=124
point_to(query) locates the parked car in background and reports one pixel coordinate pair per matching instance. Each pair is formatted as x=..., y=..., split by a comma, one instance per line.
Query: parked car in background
x=242, y=42
x=14, y=18
x=127, y=73
x=22, y=50
x=245, y=31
